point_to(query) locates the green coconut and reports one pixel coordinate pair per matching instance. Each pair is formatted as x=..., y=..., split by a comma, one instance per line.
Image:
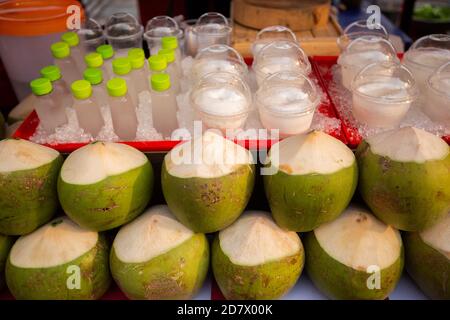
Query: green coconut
x=405, y=177
x=22, y=110
x=254, y=259
x=355, y=256
x=156, y=257
x=314, y=178
x=6, y=243
x=28, y=176
x=207, y=182
x=104, y=185
x=59, y=261
x=428, y=259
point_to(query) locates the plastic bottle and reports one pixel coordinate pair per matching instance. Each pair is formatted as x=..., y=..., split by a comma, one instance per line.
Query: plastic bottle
x=76, y=50
x=67, y=65
x=172, y=68
x=164, y=105
x=60, y=91
x=89, y=115
x=123, y=112
x=122, y=68
x=139, y=74
x=107, y=53
x=95, y=60
x=95, y=78
x=51, y=114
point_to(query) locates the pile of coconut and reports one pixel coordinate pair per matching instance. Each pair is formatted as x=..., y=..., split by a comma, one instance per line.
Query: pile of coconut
x=85, y=221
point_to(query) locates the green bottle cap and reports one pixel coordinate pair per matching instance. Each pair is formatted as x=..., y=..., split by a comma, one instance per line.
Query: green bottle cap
x=117, y=87
x=60, y=50
x=93, y=60
x=81, y=89
x=51, y=72
x=160, y=81
x=93, y=75
x=41, y=86
x=121, y=66
x=106, y=50
x=169, y=42
x=137, y=62
x=71, y=38
x=136, y=52
x=169, y=54
x=157, y=63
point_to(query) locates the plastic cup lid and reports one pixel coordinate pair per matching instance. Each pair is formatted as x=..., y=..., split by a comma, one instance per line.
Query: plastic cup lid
x=117, y=87
x=41, y=86
x=51, y=72
x=81, y=89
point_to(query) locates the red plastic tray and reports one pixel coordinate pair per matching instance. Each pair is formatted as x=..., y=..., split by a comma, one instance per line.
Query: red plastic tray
x=323, y=65
x=28, y=127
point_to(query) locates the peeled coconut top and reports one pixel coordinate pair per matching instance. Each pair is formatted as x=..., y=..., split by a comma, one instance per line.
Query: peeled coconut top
x=255, y=239
x=209, y=156
x=438, y=236
x=100, y=160
x=358, y=240
x=408, y=144
x=23, y=109
x=314, y=152
x=18, y=154
x=152, y=234
x=55, y=243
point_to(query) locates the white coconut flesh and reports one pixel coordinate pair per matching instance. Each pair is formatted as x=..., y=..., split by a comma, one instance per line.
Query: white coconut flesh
x=23, y=109
x=438, y=236
x=209, y=156
x=18, y=155
x=358, y=240
x=408, y=144
x=56, y=243
x=254, y=239
x=95, y=162
x=315, y=152
x=152, y=234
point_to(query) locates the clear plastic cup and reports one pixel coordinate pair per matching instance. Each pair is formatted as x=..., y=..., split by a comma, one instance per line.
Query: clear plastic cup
x=437, y=105
x=426, y=55
x=218, y=58
x=159, y=27
x=221, y=101
x=382, y=94
x=286, y=101
x=359, y=29
x=280, y=55
x=123, y=32
x=212, y=28
x=270, y=34
x=190, y=41
x=91, y=35
x=362, y=52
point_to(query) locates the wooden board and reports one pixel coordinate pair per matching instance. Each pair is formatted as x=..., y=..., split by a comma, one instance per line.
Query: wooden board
x=317, y=41
x=304, y=16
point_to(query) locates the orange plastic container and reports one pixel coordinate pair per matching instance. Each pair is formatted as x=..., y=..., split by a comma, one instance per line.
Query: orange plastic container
x=27, y=29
